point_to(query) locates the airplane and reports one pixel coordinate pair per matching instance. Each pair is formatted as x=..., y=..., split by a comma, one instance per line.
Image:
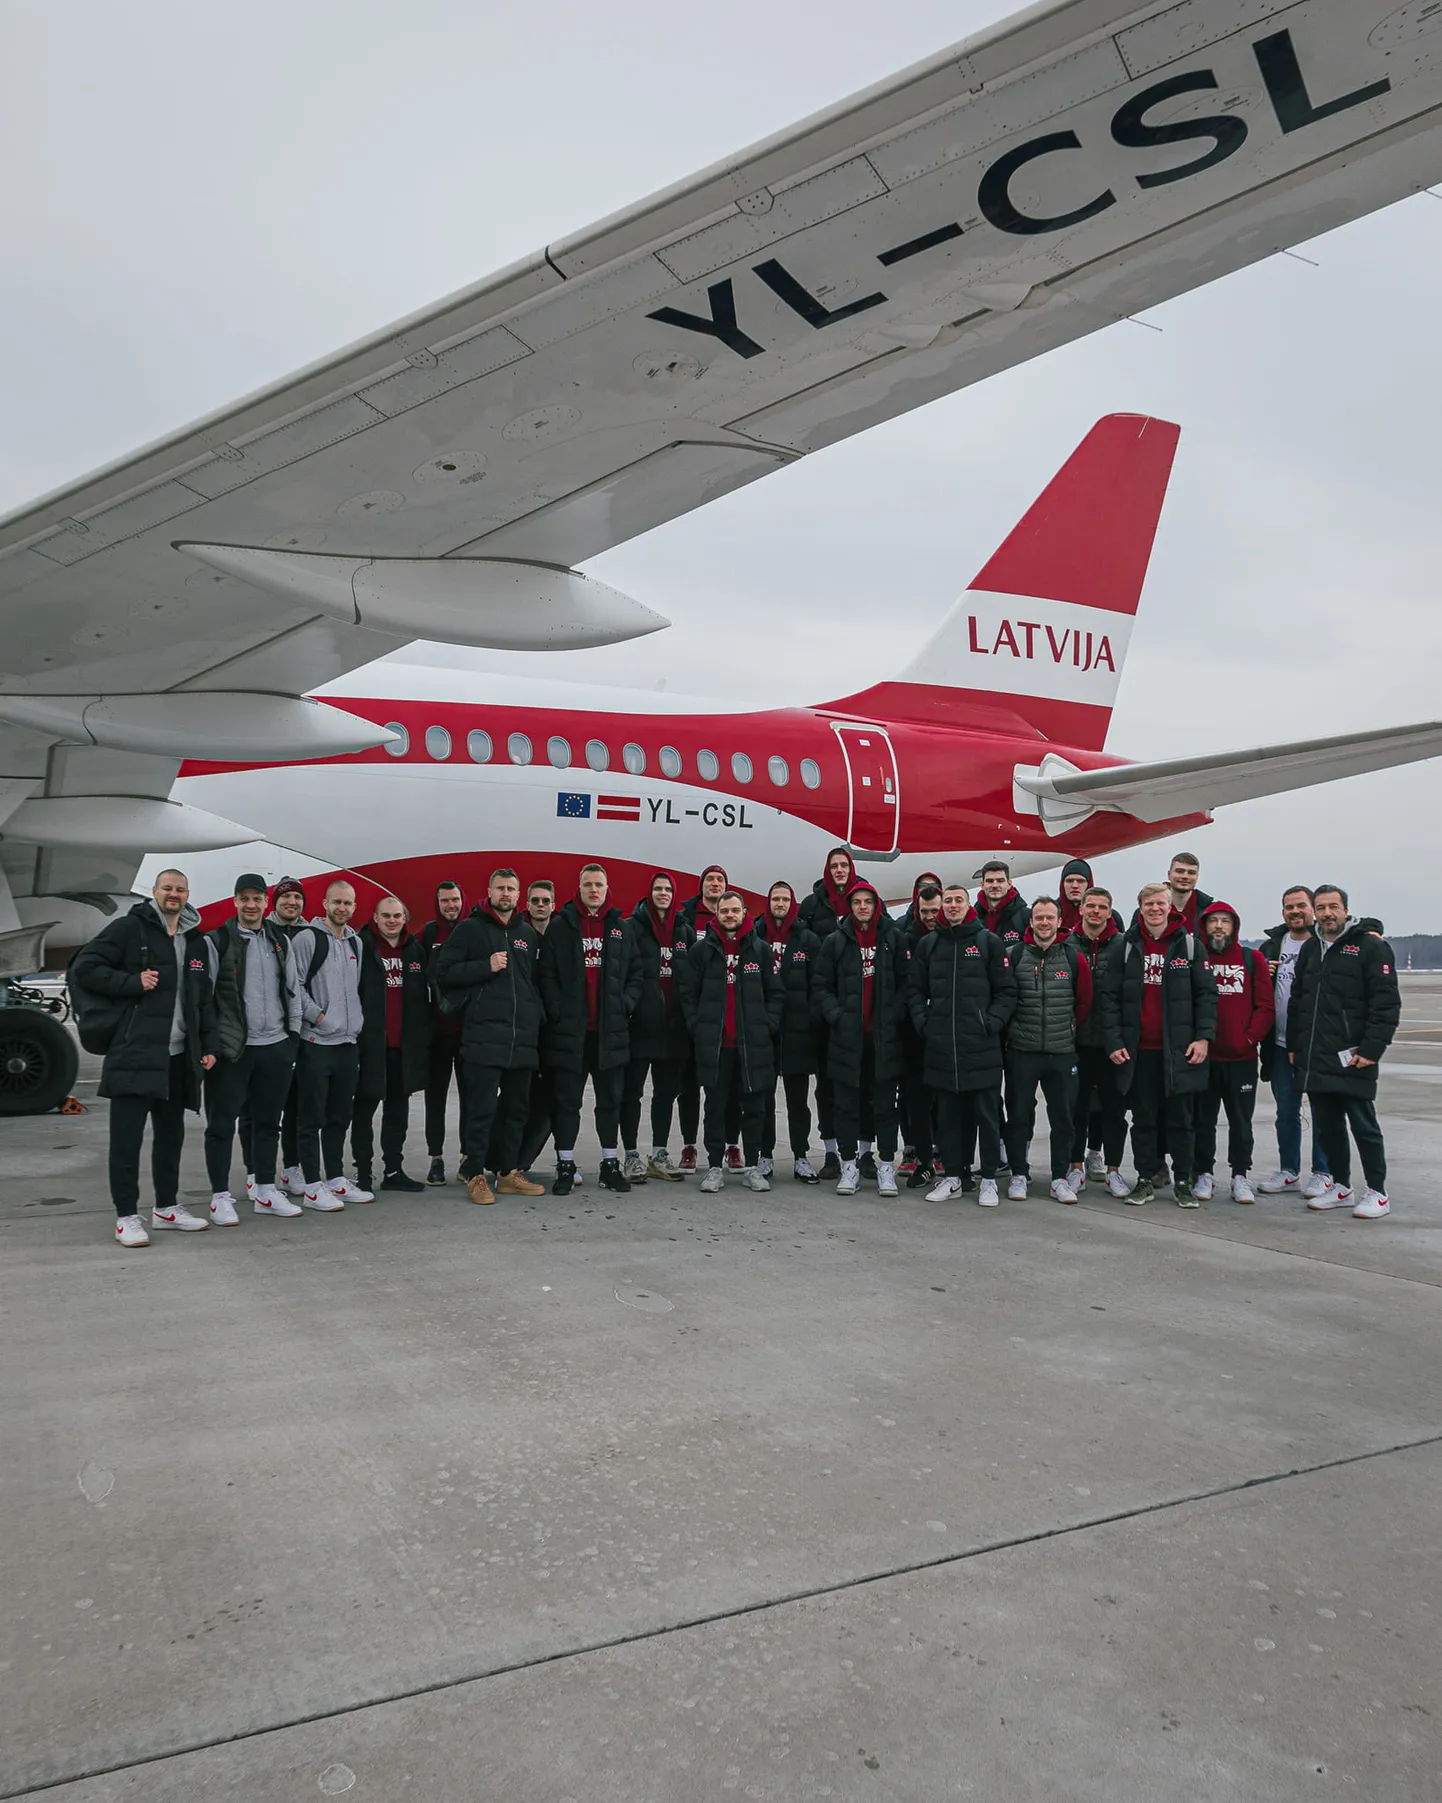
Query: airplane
x=989, y=742
x=447, y=477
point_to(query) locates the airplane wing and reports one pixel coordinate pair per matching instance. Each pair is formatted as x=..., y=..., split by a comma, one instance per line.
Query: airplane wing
x=444, y=477
x=1176, y=786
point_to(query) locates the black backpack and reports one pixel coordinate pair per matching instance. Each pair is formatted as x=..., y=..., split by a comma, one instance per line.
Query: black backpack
x=99, y=1018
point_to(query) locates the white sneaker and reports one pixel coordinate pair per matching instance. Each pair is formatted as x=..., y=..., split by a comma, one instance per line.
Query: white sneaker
x=885, y=1179
x=1096, y=1164
x=292, y=1178
x=1062, y=1191
x=1077, y=1178
x=1279, y=1182
x=1242, y=1190
x=804, y=1171
x=1118, y=1186
x=850, y=1178
x=345, y=1191
x=1331, y=1197
x=130, y=1231
x=251, y=1186
x=986, y=1196
x=1372, y=1206
x=766, y=1166
x=1017, y=1188
x=714, y=1180
x=322, y=1198
x=178, y=1217
x=1317, y=1184
x=756, y=1179
x=222, y=1210
x=269, y=1200
x=633, y=1167
x=945, y=1190
x=1205, y=1186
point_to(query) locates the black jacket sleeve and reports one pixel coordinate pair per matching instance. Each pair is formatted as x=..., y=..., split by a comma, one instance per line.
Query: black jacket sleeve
x=1204, y=995
x=1003, y=988
x=828, y=1003
x=463, y=962
x=918, y=974
x=1109, y=995
x=1384, y=999
x=101, y=964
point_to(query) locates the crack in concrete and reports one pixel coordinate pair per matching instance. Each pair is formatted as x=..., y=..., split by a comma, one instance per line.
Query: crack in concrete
x=639, y=1636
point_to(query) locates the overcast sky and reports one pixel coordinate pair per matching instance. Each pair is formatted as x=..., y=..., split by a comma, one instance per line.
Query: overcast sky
x=198, y=200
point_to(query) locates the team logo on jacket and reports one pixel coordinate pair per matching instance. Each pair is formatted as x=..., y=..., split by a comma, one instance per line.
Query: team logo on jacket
x=1179, y=963
x=196, y=964
x=972, y=951
x=750, y=969
x=1351, y=951
x=519, y=944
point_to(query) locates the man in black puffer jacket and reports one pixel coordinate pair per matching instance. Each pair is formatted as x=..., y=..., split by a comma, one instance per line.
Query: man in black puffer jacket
x=590, y=980
x=394, y=1043
x=822, y=912
x=1002, y=911
x=1343, y=1014
x=486, y=975
x=733, y=1006
x=1158, y=1006
x=794, y=948
x=150, y=965
x=917, y=1106
x=860, y=985
x=660, y=1043
x=962, y=993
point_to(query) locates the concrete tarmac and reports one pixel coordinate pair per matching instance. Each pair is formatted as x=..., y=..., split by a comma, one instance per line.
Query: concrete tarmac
x=673, y=1497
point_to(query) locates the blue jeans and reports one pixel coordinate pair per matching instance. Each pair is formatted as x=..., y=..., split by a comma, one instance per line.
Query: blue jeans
x=1289, y=1118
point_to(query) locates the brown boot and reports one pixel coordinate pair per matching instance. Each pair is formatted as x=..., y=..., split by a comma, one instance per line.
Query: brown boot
x=478, y=1190
x=517, y=1183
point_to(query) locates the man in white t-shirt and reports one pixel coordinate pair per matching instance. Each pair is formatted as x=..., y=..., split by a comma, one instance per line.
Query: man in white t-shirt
x=1283, y=946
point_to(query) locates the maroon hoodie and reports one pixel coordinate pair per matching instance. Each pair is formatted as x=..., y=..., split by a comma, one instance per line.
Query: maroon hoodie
x=593, y=939
x=446, y=1026
x=730, y=943
x=1246, y=1008
x=664, y=927
x=866, y=941
x=837, y=897
x=991, y=914
x=705, y=920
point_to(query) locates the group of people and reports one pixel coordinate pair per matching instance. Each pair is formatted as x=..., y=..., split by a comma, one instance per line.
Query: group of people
x=923, y=1041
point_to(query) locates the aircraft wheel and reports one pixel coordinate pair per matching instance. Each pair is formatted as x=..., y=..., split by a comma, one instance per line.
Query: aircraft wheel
x=38, y=1061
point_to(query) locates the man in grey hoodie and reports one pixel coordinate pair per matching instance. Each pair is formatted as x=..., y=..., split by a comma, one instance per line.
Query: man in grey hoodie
x=257, y=1004
x=327, y=962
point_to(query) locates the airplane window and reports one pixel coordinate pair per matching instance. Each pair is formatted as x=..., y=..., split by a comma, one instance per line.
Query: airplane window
x=709, y=765
x=779, y=771
x=741, y=766
x=519, y=746
x=401, y=744
x=634, y=759
x=478, y=746
x=558, y=750
x=598, y=755
x=811, y=773
x=670, y=760
x=438, y=743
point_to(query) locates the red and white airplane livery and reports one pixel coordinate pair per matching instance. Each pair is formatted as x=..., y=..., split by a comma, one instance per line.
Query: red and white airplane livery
x=989, y=742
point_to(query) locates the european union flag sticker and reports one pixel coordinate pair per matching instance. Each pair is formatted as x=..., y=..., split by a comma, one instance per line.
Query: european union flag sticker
x=573, y=807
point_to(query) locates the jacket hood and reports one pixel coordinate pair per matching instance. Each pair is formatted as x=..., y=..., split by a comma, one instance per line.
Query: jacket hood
x=927, y=876
x=1108, y=932
x=189, y=916
x=740, y=932
x=989, y=910
x=777, y=930
x=484, y=911
x=1221, y=907
x=450, y=884
x=970, y=922
x=837, y=897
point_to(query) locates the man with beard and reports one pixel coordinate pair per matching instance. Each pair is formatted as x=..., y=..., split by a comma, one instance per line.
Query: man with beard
x=732, y=1005
x=257, y=1009
x=590, y=980
x=1001, y=910
x=486, y=970
x=659, y=1039
x=1100, y=1109
x=961, y=993
x=1343, y=1014
x=822, y=911
x=148, y=971
x=793, y=950
x=395, y=1044
x=445, y=1036
x=287, y=915
x=1245, y=1011
x=861, y=994
x=1053, y=996
x=699, y=913
x=1159, y=1013
x=918, y=1126
x=1282, y=948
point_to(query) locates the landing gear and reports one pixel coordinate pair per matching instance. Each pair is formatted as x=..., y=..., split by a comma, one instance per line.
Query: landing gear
x=38, y=1061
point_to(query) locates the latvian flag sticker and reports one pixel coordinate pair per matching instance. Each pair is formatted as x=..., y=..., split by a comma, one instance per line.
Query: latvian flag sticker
x=618, y=807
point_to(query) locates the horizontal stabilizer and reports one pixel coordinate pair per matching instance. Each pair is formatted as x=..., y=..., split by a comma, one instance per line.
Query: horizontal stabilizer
x=1176, y=786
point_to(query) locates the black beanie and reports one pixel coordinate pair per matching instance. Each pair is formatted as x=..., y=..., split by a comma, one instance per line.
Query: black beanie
x=1077, y=867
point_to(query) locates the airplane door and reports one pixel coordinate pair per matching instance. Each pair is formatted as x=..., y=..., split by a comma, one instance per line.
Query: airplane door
x=875, y=791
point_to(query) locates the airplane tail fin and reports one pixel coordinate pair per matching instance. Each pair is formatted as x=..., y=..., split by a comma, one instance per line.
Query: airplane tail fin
x=1037, y=642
